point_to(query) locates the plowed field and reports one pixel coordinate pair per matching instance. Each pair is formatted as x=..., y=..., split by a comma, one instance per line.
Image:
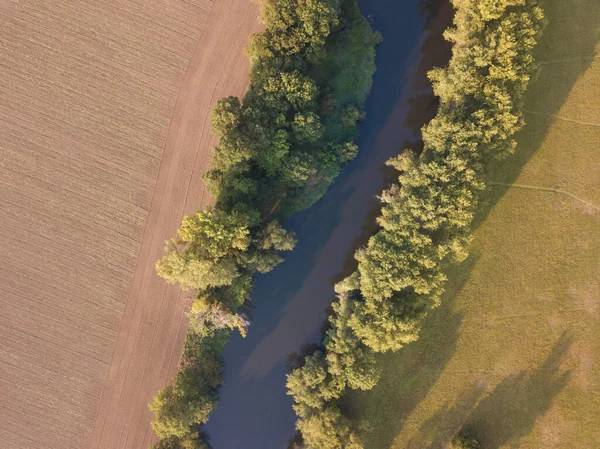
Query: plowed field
x=104, y=137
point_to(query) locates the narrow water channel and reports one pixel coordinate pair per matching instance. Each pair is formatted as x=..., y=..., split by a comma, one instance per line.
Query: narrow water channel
x=290, y=302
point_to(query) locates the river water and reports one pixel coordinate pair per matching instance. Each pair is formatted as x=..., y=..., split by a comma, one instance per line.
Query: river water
x=291, y=302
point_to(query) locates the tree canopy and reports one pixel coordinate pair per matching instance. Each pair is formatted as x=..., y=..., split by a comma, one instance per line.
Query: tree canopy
x=426, y=216
x=280, y=147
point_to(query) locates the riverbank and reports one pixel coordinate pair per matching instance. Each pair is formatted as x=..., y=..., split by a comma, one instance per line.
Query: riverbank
x=280, y=147
x=513, y=350
x=291, y=302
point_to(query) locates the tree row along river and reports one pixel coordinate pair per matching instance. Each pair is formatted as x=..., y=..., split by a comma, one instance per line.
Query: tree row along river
x=290, y=303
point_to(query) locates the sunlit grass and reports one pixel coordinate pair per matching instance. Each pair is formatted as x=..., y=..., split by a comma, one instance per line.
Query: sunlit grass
x=514, y=351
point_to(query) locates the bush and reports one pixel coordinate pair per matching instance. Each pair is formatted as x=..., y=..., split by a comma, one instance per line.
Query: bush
x=194, y=392
x=464, y=440
x=328, y=429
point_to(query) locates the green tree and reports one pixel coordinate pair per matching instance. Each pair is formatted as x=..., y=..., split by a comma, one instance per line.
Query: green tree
x=347, y=360
x=287, y=91
x=207, y=251
x=225, y=116
x=293, y=27
x=271, y=158
x=311, y=386
x=347, y=151
x=175, y=411
x=191, y=273
x=306, y=128
x=350, y=115
x=275, y=236
x=191, y=441
x=328, y=429
x=298, y=169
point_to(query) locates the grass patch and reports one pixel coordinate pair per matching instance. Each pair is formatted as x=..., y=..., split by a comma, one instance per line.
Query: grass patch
x=513, y=351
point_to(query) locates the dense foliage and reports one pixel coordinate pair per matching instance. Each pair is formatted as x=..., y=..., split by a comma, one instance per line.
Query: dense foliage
x=426, y=217
x=279, y=150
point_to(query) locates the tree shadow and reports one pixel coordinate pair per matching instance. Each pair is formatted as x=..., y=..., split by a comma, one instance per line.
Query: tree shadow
x=436, y=52
x=443, y=426
x=410, y=373
x=510, y=411
x=504, y=416
x=571, y=32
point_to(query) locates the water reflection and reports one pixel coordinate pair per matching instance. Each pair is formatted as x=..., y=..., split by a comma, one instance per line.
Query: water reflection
x=303, y=314
x=254, y=411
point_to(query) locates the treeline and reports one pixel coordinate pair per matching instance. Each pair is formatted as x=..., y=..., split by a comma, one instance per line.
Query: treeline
x=426, y=217
x=280, y=148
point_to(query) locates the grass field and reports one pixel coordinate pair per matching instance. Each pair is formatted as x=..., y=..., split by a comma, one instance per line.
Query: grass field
x=104, y=137
x=514, y=350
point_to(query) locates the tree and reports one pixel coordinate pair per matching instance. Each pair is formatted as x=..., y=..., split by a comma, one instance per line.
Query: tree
x=311, y=386
x=275, y=236
x=328, y=429
x=271, y=158
x=214, y=233
x=350, y=115
x=290, y=91
x=348, y=361
x=175, y=411
x=193, y=395
x=213, y=316
x=181, y=267
x=225, y=116
x=191, y=441
x=306, y=128
x=208, y=249
x=294, y=27
x=347, y=151
x=298, y=169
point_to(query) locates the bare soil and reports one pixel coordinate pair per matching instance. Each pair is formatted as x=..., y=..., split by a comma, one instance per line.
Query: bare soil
x=104, y=138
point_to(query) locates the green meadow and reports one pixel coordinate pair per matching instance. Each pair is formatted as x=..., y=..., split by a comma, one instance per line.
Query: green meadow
x=513, y=352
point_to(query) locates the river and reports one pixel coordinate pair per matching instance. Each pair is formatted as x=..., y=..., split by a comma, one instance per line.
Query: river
x=290, y=302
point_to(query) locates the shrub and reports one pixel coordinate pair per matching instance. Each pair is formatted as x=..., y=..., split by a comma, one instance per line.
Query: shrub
x=328, y=429
x=464, y=440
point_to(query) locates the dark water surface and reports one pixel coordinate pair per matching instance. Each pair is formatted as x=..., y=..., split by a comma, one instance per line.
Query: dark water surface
x=290, y=302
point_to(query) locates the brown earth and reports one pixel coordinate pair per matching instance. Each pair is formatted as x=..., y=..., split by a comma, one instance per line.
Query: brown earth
x=104, y=137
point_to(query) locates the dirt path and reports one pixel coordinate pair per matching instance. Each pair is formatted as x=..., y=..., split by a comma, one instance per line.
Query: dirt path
x=545, y=189
x=153, y=326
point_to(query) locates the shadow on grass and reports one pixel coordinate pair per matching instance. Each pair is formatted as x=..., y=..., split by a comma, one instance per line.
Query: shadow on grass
x=409, y=374
x=510, y=411
x=504, y=416
x=441, y=427
x=571, y=32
